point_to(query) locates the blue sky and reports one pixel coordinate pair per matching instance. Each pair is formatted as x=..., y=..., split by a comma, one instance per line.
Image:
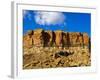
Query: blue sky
x=66, y=21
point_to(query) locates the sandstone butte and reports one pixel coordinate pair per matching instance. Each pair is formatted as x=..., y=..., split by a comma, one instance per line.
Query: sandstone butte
x=58, y=38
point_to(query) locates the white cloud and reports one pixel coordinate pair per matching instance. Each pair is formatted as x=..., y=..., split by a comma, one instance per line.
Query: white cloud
x=26, y=13
x=49, y=18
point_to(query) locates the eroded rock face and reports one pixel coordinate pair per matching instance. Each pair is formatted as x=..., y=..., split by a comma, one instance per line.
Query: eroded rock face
x=65, y=39
x=50, y=49
x=48, y=38
x=86, y=39
x=57, y=38
x=73, y=38
x=27, y=39
x=80, y=40
x=38, y=37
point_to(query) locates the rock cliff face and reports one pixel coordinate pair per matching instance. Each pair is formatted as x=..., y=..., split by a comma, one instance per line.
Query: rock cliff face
x=51, y=49
x=57, y=38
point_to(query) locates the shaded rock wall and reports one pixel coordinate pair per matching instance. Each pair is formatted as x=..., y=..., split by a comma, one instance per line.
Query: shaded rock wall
x=57, y=38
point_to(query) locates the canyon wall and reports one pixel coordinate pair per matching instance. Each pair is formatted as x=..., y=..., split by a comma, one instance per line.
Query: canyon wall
x=58, y=38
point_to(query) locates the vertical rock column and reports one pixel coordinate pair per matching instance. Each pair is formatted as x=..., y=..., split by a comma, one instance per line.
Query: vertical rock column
x=80, y=40
x=48, y=38
x=85, y=39
x=38, y=37
x=73, y=39
x=58, y=39
x=65, y=39
x=27, y=39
